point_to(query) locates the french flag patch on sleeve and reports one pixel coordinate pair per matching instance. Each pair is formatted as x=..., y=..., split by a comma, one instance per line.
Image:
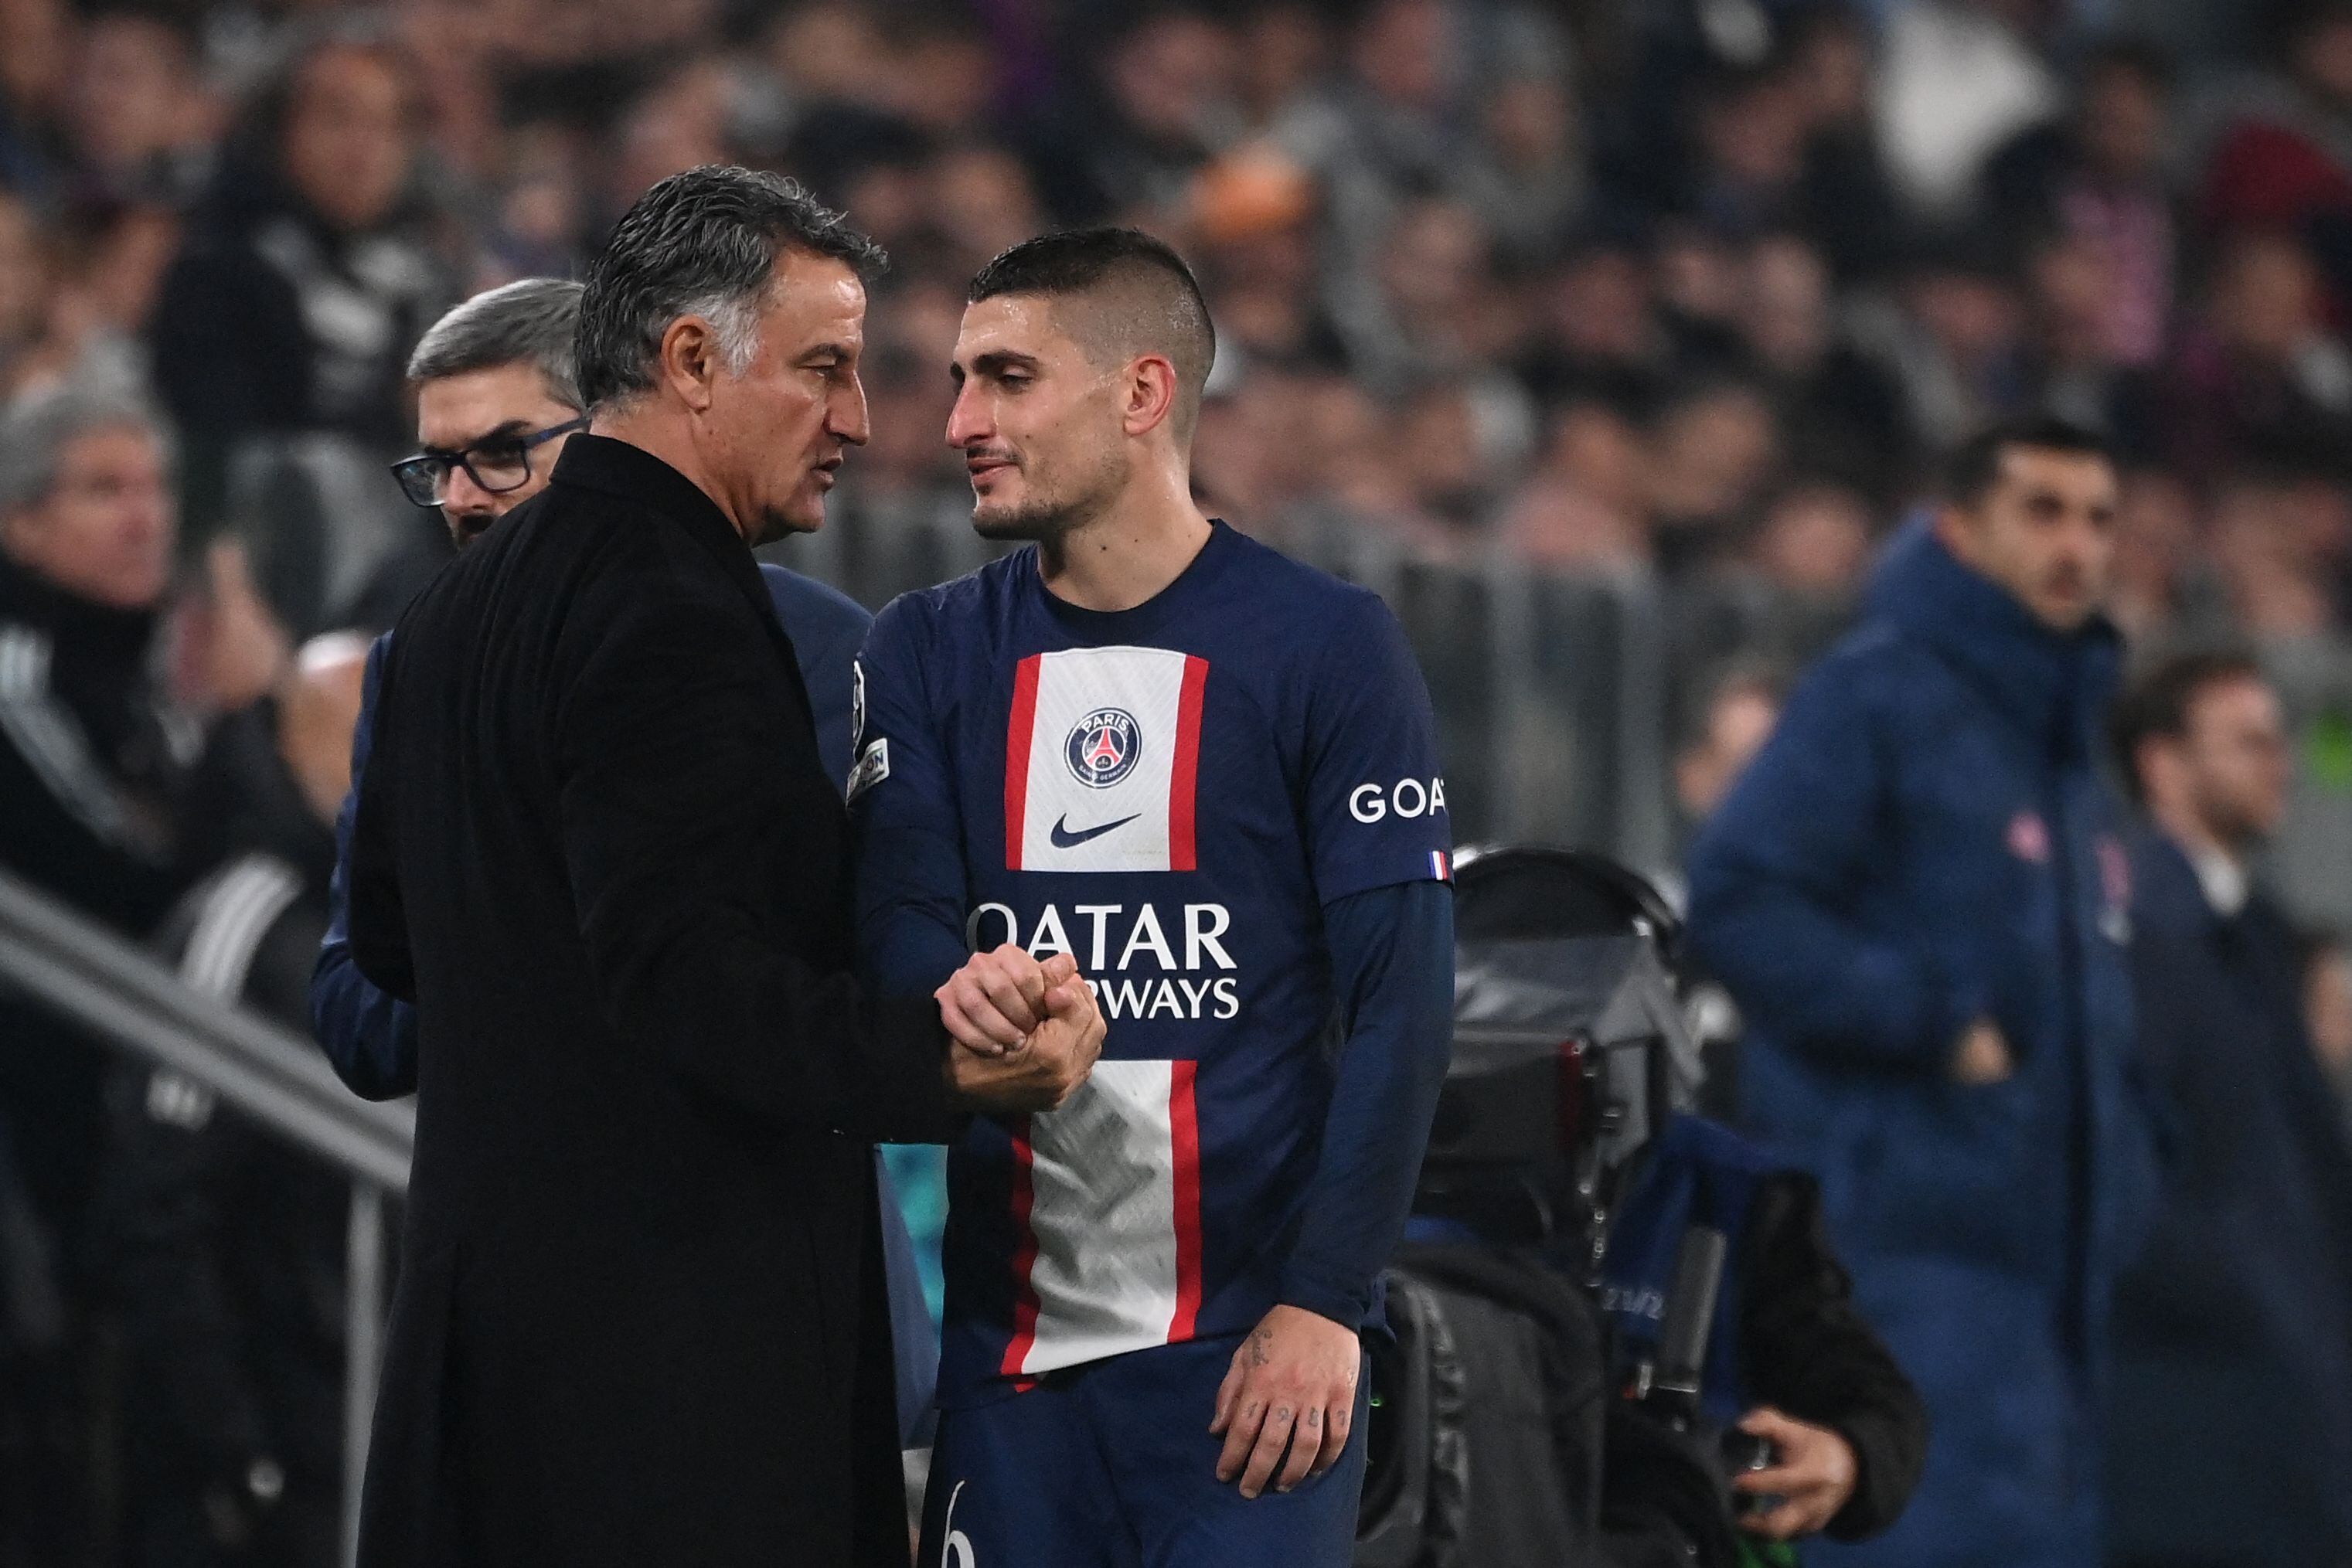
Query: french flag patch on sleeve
x=1440, y=866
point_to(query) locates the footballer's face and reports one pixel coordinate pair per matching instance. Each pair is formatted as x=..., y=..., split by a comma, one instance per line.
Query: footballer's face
x=1038, y=424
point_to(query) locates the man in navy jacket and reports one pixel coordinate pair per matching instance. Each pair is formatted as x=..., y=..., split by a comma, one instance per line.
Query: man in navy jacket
x=2231, y=1442
x=1918, y=897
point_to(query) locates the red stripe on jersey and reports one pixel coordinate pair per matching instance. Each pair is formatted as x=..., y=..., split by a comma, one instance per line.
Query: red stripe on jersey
x=1184, y=1151
x=1018, y=734
x=1025, y=1256
x=1185, y=774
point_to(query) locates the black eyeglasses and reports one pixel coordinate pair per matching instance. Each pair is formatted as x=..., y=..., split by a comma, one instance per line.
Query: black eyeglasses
x=496, y=465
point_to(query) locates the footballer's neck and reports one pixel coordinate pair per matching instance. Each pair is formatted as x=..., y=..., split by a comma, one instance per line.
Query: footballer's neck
x=1131, y=551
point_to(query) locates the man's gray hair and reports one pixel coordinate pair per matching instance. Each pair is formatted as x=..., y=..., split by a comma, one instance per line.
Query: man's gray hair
x=37, y=427
x=532, y=321
x=703, y=243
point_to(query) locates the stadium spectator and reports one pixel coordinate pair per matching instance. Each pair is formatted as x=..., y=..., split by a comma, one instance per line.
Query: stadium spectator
x=222, y=1247
x=1595, y=332
x=1842, y=413
x=2232, y=1425
x=2259, y=378
x=2070, y=367
x=36, y=55
x=1734, y=723
x=2280, y=165
x=2156, y=550
x=24, y=321
x=1956, y=340
x=496, y=400
x=306, y=275
x=134, y=114
x=2100, y=176
x=1912, y=895
x=103, y=769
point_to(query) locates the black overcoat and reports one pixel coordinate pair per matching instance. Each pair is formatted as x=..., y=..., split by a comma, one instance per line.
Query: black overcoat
x=640, y=1316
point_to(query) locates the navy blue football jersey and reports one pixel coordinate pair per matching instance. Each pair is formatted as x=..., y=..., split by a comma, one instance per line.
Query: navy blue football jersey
x=1172, y=794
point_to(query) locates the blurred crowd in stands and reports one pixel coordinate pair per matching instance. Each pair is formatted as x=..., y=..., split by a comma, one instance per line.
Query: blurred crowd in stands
x=1676, y=302
x=1685, y=294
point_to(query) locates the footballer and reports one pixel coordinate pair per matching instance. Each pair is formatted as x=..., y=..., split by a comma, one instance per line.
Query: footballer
x=1209, y=775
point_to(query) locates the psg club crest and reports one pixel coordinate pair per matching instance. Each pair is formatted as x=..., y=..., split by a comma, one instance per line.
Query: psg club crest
x=1104, y=747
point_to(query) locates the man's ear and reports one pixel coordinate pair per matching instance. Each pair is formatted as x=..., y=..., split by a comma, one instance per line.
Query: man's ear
x=689, y=361
x=1150, y=394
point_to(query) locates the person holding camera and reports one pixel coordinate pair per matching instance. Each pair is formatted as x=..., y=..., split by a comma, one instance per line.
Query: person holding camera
x=1818, y=1429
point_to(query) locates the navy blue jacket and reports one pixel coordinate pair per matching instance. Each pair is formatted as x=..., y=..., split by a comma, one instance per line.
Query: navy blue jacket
x=2232, y=1441
x=371, y=1037
x=1927, y=840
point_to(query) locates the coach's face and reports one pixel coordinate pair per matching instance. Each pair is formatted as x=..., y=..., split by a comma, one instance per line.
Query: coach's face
x=775, y=437
x=1038, y=424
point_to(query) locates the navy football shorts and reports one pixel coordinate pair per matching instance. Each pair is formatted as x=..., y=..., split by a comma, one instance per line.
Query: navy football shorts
x=1112, y=1464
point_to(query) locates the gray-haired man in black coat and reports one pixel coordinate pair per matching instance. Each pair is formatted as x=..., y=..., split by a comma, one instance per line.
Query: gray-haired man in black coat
x=640, y=1316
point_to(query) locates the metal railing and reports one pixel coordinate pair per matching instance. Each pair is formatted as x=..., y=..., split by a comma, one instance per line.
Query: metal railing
x=123, y=996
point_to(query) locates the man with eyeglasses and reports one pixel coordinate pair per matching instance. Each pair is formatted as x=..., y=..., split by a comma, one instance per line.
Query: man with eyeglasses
x=496, y=400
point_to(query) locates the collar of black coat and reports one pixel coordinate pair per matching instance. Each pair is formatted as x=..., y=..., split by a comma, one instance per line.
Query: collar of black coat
x=630, y=473
x=633, y=474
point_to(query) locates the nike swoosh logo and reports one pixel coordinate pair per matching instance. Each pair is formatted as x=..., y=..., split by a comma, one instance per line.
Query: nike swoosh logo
x=1066, y=839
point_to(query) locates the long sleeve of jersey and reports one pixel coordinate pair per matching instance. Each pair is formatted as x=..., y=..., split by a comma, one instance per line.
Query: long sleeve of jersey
x=908, y=839
x=1392, y=968
x=368, y=1035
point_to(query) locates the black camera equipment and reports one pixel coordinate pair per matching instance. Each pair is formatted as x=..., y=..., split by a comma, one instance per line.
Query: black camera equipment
x=1669, y=1383
x=1570, y=1046
x=1488, y=1410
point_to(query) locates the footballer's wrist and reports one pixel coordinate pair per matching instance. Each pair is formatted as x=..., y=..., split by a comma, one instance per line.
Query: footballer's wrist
x=1342, y=1307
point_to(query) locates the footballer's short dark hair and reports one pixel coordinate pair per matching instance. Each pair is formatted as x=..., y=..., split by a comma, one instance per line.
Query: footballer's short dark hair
x=1136, y=296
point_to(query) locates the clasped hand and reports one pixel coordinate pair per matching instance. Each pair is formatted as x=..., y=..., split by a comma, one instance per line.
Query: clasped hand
x=1026, y=1034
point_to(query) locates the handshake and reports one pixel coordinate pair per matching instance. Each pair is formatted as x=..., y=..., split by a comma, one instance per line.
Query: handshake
x=1026, y=1034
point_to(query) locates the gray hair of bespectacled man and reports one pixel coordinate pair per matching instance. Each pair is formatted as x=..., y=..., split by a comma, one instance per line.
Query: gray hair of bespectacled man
x=532, y=321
